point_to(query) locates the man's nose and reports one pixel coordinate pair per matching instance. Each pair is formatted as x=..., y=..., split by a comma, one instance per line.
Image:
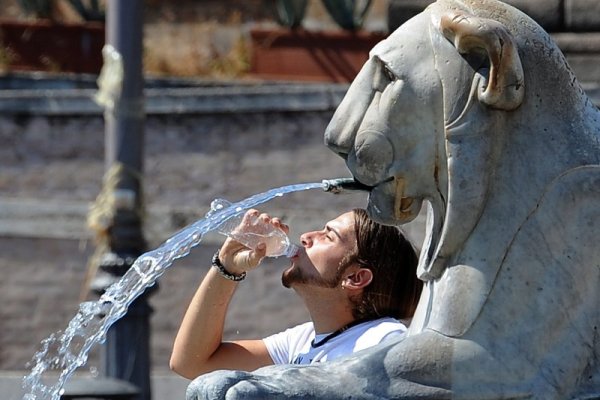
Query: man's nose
x=306, y=239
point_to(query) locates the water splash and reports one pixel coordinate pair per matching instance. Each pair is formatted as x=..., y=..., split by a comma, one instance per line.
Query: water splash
x=68, y=350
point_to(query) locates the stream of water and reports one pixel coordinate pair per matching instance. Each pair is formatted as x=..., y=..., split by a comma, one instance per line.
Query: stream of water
x=68, y=350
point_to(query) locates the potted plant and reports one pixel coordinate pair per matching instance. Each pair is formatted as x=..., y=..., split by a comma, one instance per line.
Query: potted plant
x=293, y=53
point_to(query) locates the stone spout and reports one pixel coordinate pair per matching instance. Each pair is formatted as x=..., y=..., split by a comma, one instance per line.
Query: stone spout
x=341, y=184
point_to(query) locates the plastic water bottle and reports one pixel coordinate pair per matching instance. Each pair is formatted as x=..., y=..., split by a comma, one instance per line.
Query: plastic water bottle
x=253, y=231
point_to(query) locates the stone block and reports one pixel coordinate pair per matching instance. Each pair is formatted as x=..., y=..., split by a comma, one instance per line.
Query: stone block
x=585, y=67
x=582, y=51
x=400, y=11
x=581, y=43
x=547, y=13
x=582, y=15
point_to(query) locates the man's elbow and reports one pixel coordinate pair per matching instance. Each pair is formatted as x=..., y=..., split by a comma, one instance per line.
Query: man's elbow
x=184, y=369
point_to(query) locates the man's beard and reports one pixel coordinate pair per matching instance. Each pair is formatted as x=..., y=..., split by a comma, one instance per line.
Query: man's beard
x=295, y=275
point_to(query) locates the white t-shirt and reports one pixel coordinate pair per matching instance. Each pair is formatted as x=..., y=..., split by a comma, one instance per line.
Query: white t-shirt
x=294, y=345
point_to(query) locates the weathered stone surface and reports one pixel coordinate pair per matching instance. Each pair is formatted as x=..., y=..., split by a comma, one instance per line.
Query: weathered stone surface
x=490, y=128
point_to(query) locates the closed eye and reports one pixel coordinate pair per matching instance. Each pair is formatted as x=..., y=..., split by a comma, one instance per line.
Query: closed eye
x=389, y=74
x=329, y=234
x=383, y=77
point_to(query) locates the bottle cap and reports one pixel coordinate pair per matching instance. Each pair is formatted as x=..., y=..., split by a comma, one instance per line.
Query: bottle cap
x=292, y=250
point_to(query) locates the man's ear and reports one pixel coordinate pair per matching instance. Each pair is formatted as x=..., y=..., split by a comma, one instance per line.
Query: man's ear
x=358, y=279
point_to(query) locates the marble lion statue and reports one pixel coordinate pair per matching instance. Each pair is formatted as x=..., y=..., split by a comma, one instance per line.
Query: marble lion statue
x=470, y=109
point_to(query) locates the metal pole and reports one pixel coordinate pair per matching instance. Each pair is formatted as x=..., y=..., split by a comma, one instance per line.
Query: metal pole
x=126, y=352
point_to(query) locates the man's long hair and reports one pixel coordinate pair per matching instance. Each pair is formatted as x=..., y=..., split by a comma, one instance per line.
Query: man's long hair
x=395, y=288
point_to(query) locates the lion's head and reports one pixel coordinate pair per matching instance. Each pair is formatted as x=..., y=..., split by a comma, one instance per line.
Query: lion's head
x=437, y=111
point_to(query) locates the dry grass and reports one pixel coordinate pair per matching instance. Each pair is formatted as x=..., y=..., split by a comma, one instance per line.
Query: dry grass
x=193, y=49
x=208, y=39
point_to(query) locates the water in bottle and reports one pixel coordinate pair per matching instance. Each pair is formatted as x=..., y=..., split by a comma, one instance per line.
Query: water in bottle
x=251, y=231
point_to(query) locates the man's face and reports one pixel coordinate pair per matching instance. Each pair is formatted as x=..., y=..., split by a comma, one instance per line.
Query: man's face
x=323, y=251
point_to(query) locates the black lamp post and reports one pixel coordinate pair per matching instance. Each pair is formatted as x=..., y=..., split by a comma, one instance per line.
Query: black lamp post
x=126, y=352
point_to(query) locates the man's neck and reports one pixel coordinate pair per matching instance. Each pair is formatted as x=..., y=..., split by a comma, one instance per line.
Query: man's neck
x=328, y=314
x=328, y=325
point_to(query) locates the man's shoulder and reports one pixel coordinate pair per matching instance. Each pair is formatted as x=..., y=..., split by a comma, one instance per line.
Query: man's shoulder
x=285, y=345
x=394, y=322
x=305, y=329
x=385, y=323
x=378, y=330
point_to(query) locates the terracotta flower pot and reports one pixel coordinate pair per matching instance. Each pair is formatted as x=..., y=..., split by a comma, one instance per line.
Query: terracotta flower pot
x=310, y=56
x=43, y=45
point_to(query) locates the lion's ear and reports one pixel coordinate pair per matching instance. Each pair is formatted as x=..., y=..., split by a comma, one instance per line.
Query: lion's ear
x=470, y=34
